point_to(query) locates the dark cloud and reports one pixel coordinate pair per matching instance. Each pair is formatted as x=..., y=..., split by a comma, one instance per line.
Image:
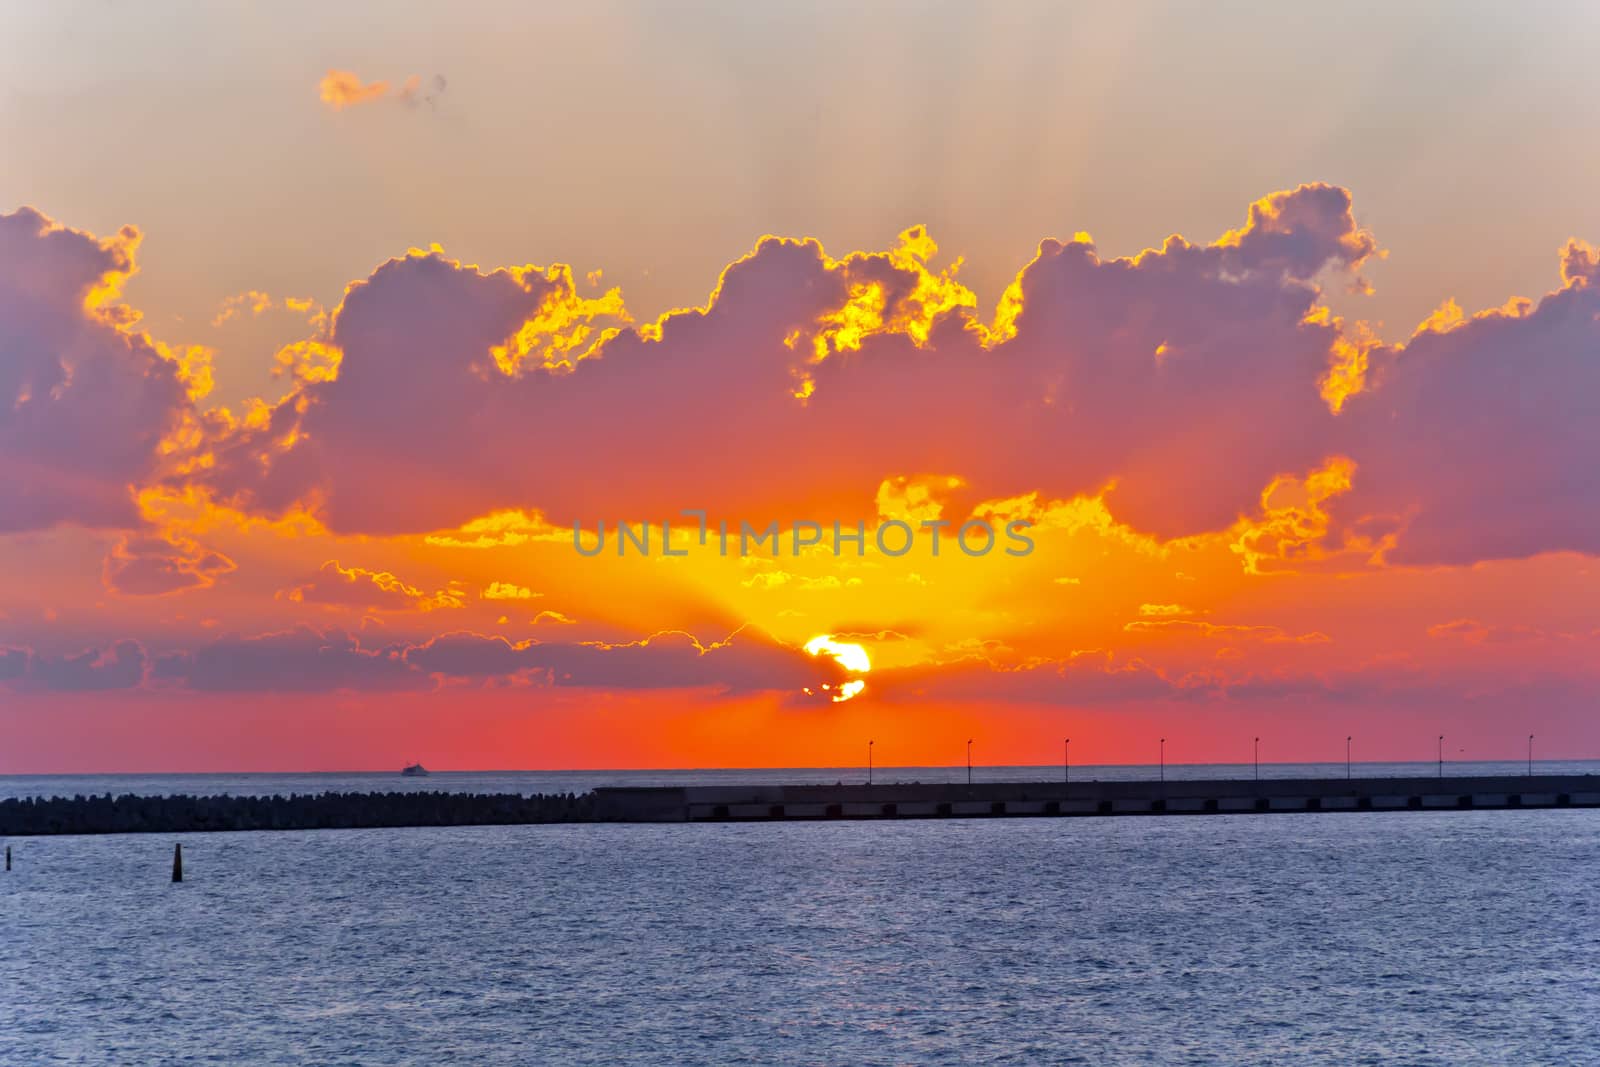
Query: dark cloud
x=748, y=661
x=303, y=660
x=306, y=659
x=120, y=665
x=412, y=92
x=357, y=587
x=310, y=660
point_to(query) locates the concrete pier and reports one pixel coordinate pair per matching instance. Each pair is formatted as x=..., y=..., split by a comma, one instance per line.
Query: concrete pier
x=1057, y=799
x=767, y=803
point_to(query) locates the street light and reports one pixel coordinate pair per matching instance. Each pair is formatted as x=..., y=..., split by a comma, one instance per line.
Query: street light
x=1066, y=761
x=869, y=761
x=969, y=761
x=1258, y=759
x=1530, y=755
x=1163, y=759
x=1347, y=759
x=1441, y=755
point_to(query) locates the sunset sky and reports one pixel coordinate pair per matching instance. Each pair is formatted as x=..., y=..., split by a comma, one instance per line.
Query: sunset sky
x=320, y=327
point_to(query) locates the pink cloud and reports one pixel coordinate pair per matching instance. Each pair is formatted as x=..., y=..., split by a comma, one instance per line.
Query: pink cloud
x=1179, y=383
x=1127, y=370
x=1479, y=441
x=85, y=401
x=145, y=564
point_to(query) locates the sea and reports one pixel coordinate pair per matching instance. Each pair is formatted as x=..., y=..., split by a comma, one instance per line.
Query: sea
x=1451, y=937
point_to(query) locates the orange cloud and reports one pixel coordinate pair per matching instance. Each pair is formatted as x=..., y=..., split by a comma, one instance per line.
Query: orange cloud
x=340, y=89
x=507, y=591
x=1274, y=634
x=554, y=617
x=1164, y=609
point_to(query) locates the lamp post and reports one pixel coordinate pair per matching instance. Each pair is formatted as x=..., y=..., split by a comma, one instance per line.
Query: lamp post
x=1441, y=755
x=1530, y=755
x=969, y=761
x=1258, y=759
x=1163, y=757
x=1066, y=761
x=869, y=761
x=1347, y=759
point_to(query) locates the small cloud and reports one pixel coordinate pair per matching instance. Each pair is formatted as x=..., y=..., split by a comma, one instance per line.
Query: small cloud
x=1270, y=634
x=1073, y=581
x=357, y=587
x=342, y=88
x=503, y=529
x=1476, y=632
x=916, y=498
x=508, y=591
x=254, y=301
x=160, y=564
x=553, y=616
x=411, y=93
x=777, y=579
x=1161, y=610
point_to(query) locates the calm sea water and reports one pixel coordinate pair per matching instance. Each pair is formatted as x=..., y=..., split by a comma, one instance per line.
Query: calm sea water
x=1420, y=938
x=527, y=782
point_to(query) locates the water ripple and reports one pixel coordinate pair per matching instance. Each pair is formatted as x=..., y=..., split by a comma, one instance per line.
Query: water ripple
x=1423, y=938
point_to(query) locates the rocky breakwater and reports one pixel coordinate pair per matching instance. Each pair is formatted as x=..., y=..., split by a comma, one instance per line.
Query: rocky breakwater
x=132, y=814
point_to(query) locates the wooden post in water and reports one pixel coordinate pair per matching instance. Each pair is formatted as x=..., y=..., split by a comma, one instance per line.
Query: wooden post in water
x=8, y=857
x=177, y=863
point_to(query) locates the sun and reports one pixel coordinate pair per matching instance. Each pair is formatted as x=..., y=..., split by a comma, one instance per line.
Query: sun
x=851, y=657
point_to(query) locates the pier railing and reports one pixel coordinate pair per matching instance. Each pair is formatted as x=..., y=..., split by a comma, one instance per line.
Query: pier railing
x=1044, y=799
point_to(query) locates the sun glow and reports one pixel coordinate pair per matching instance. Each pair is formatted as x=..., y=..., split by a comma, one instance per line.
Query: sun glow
x=851, y=657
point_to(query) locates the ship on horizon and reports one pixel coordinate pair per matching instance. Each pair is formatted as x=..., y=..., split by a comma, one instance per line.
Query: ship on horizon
x=414, y=770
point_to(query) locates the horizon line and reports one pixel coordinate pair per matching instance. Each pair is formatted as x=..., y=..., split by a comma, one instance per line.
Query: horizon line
x=790, y=767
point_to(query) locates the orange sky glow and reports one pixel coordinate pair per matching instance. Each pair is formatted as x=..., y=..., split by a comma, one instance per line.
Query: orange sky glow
x=1279, y=476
